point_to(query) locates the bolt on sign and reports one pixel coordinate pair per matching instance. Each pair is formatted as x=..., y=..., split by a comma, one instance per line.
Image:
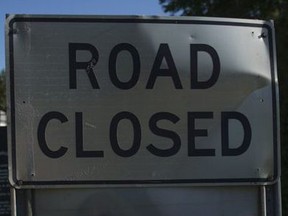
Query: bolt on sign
x=129, y=100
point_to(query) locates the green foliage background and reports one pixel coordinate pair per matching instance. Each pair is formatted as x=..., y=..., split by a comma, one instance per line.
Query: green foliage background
x=276, y=10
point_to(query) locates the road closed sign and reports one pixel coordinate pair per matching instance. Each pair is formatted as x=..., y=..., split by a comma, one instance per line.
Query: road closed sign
x=105, y=100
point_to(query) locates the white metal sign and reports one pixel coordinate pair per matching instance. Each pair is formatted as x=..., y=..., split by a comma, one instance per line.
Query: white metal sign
x=138, y=100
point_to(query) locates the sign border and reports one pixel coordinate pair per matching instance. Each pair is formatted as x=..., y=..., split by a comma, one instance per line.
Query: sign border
x=10, y=20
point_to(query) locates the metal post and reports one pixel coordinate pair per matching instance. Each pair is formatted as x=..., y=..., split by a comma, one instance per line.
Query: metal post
x=263, y=204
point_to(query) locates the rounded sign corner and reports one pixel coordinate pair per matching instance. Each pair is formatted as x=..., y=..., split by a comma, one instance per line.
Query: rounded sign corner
x=14, y=182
